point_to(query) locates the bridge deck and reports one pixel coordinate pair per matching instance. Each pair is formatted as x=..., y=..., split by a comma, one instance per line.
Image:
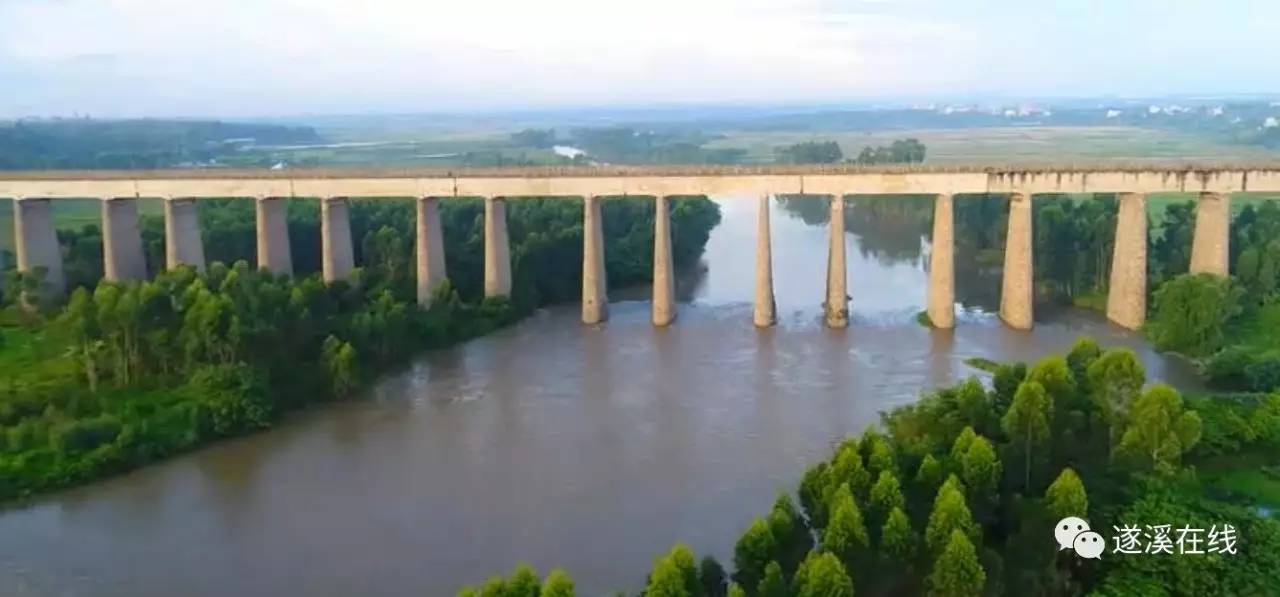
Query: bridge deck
x=646, y=180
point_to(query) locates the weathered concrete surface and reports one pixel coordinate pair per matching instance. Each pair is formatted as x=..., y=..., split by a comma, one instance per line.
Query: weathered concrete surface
x=497, y=248
x=36, y=242
x=1127, y=297
x=1017, y=289
x=337, y=258
x=429, y=247
x=1211, y=244
x=664, y=282
x=122, y=256
x=649, y=180
x=183, y=244
x=941, y=306
x=836, y=306
x=595, y=297
x=274, y=252
x=765, y=312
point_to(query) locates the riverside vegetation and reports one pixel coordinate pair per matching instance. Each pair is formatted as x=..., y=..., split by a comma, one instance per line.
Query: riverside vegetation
x=957, y=495
x=120, y=375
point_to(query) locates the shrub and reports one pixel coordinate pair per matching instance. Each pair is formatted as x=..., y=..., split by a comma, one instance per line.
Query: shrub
x=83, y=435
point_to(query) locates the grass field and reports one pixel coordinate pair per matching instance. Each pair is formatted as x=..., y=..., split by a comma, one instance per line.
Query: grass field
x=1015, y=144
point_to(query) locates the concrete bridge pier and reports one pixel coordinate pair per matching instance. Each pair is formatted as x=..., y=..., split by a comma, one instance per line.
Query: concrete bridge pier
x=1017, y=290
x=765, y=313
x=595, y=298
x=1211, y=244
x=336, y=256
x=1127, y=297
x=664, y=288
x=274, y=254
x=122, y=256
x=36, y=242
x=429, y=247
x=497, y=249
x=942, y=274
x=836, y=306
x=182, y=242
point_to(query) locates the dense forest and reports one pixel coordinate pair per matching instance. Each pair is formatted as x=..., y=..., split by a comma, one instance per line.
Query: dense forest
x=958, y=494
x=124, y=374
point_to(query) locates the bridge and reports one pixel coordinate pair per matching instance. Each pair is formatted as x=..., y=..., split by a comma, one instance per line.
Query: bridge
x=37, y=245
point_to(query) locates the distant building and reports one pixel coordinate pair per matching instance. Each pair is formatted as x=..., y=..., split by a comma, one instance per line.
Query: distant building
x=1114, y=113
x=1270, y=123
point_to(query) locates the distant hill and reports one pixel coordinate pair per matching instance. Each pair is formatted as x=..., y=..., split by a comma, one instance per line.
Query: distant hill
x=134, y=144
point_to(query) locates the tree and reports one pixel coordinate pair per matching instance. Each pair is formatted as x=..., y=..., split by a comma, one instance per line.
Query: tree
x=897, y=541
x=929, y=475
x=754, y=550
x=524, y=582
x=848, y=469
x=773, y=584
x=1083, y=353
x=1054, y=374
x=822, y=575
x=1190, y=311
x=813, y=485
x=880, y=456
x=712, y=577
x=789, y=532
x=1114, y=382
x=1027, y=422
x=886, y=494
x=950, y=513
x=558, y=584
x=980, y=468
x=1005, y=382
x=846, y=533
x=1066, y=496
x=956, y=572
x=1160, y=431
x=811, y=152
x=340, y=364
x=974, y=404
x=674, y=574
x=962, y=443
x=735, y=590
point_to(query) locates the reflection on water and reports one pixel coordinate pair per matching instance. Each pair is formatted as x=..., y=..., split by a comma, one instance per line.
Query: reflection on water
x=593, y=448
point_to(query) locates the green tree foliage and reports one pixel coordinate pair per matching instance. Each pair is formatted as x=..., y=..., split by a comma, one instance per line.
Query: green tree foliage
x=712, y=577
x=886, y=495
x=773, y=584
x=789, y=531
x=956, y=572
x=674, y=574
x=1190, y=311
x=1007, y=378
x=1027, y=422
x=980, y=468
x=848, y=469
x=846, y=533
x=813, y=486
x=950, y=513
x=1054, y=375
x=1066, y=496
x=736, y=591
x=822, y=575
x=1160, y=431
x=524, y=582
x=558, y=584
x=929, y=475
x=1083, y=353
x=897, y=540
x=811, y=152
x=754, y=550
x=1115, y=379
x=961, y=446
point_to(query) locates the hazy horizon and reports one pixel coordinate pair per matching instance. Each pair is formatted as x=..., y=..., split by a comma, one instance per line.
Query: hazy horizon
x=273, y=58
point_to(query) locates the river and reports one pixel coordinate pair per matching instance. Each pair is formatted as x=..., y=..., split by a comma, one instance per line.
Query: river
x=592, y=448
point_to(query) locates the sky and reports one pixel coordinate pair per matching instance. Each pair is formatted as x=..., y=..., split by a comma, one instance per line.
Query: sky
x=227, y=58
